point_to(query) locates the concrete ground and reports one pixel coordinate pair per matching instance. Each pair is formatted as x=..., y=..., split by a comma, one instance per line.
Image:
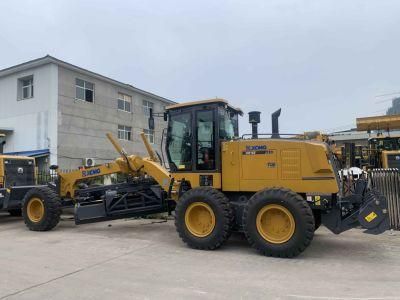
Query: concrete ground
x=140, y=259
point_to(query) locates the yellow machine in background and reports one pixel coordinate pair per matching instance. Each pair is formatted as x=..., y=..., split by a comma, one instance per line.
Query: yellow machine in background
x=17, y=175
x=275, y=190
x=383, y=150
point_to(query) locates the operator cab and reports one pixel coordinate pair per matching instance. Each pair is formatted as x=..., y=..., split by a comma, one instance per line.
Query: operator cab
x=195, y=132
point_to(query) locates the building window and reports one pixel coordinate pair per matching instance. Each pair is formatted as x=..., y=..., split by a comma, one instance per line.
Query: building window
x=149, y=135
x=124, y=102
x=146, y=107
x=124, y=132
x=84, y=90
x=25, y=87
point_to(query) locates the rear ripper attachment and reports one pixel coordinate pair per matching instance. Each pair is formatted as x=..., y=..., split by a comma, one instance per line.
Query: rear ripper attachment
x=365, y=206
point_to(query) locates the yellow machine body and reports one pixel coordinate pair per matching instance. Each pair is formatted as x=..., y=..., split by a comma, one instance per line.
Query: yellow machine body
x=388, y=156
x=247, y=165
x=253, y=165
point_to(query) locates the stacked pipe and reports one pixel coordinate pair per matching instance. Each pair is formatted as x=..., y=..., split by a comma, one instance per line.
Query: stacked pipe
x=387, y=181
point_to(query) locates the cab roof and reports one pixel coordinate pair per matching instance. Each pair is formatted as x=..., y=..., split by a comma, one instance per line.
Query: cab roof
x=203, y=102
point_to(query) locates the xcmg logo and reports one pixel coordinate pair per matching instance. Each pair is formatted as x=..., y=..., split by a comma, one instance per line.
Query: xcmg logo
x=92, y=172
x=256, y=148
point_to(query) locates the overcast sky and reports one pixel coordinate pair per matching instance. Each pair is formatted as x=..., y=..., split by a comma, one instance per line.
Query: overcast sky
x=323, y=62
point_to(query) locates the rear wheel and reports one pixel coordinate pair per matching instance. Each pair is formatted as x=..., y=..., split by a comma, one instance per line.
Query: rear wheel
x=41, y=209
x=278, y=222
x=203, y=218
x=15, y=212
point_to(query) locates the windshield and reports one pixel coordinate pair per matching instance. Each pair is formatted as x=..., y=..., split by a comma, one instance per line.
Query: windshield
x=228, y=124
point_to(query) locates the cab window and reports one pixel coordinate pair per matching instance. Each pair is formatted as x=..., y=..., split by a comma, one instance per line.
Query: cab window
x=228, y=124
x=179, y=142
x=205, y=140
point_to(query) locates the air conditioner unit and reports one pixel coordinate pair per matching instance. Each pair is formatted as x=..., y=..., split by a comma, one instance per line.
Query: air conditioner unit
x=89, y=162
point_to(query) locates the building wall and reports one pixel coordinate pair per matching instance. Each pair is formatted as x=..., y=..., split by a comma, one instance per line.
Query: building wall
x=82, y=126
x=33, y=120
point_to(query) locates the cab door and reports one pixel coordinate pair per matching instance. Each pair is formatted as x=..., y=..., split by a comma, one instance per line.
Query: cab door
x=192, y=147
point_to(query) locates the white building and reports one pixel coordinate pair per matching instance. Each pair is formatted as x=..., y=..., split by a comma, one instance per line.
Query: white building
x=60, y=113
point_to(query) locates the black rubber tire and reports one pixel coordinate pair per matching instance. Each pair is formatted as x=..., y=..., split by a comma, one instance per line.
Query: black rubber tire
x=223, y=218
x=317, y=218
x=52, y=209
x=15, y=212
x=297, y=206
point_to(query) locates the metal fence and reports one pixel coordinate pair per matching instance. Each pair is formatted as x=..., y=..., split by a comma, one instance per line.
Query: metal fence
x=387, y=181
x=44, y=177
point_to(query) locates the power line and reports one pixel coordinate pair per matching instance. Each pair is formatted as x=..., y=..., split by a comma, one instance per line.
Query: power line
x=389, y=94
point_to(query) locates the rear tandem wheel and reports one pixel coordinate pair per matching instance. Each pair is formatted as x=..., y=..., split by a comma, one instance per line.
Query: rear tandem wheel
x=278, y=222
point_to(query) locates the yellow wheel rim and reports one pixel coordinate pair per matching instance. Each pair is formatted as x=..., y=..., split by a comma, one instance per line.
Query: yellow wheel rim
x=200, y=219
x=35, y=210
x=275, y=223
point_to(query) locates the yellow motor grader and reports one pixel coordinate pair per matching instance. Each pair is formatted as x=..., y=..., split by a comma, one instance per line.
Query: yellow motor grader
x=276, y=190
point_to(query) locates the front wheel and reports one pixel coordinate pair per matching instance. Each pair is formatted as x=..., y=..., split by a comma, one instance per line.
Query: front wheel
x=41, y=209
x=278, y=222
x=203, y=218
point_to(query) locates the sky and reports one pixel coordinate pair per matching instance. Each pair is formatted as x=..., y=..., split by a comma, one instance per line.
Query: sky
x=323, y=62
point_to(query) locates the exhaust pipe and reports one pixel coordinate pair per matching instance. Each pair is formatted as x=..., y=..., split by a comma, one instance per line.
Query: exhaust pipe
x=254, y=119
x=275, y=124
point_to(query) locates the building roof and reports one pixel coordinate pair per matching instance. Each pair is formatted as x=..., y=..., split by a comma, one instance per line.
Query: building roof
x=52, y=60
x=203, y=102
x=32, y=153
x=391, y=122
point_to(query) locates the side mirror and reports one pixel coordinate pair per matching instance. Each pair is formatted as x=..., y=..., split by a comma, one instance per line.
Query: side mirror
x=165, y=116
x=151, y=120
x=53, y=167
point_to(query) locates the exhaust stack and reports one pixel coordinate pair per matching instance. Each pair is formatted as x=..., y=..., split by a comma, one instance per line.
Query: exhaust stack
x=254, y=119
x=275, y=124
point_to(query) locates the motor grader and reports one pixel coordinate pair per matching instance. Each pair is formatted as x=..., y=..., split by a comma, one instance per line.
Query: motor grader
x=277, y=190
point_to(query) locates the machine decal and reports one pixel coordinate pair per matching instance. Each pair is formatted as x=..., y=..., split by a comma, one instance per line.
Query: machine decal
x=92, y=172
x=371, y=217
x=258, y=149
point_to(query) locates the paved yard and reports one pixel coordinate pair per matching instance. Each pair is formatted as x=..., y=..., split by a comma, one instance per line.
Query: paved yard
x=138, y=259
